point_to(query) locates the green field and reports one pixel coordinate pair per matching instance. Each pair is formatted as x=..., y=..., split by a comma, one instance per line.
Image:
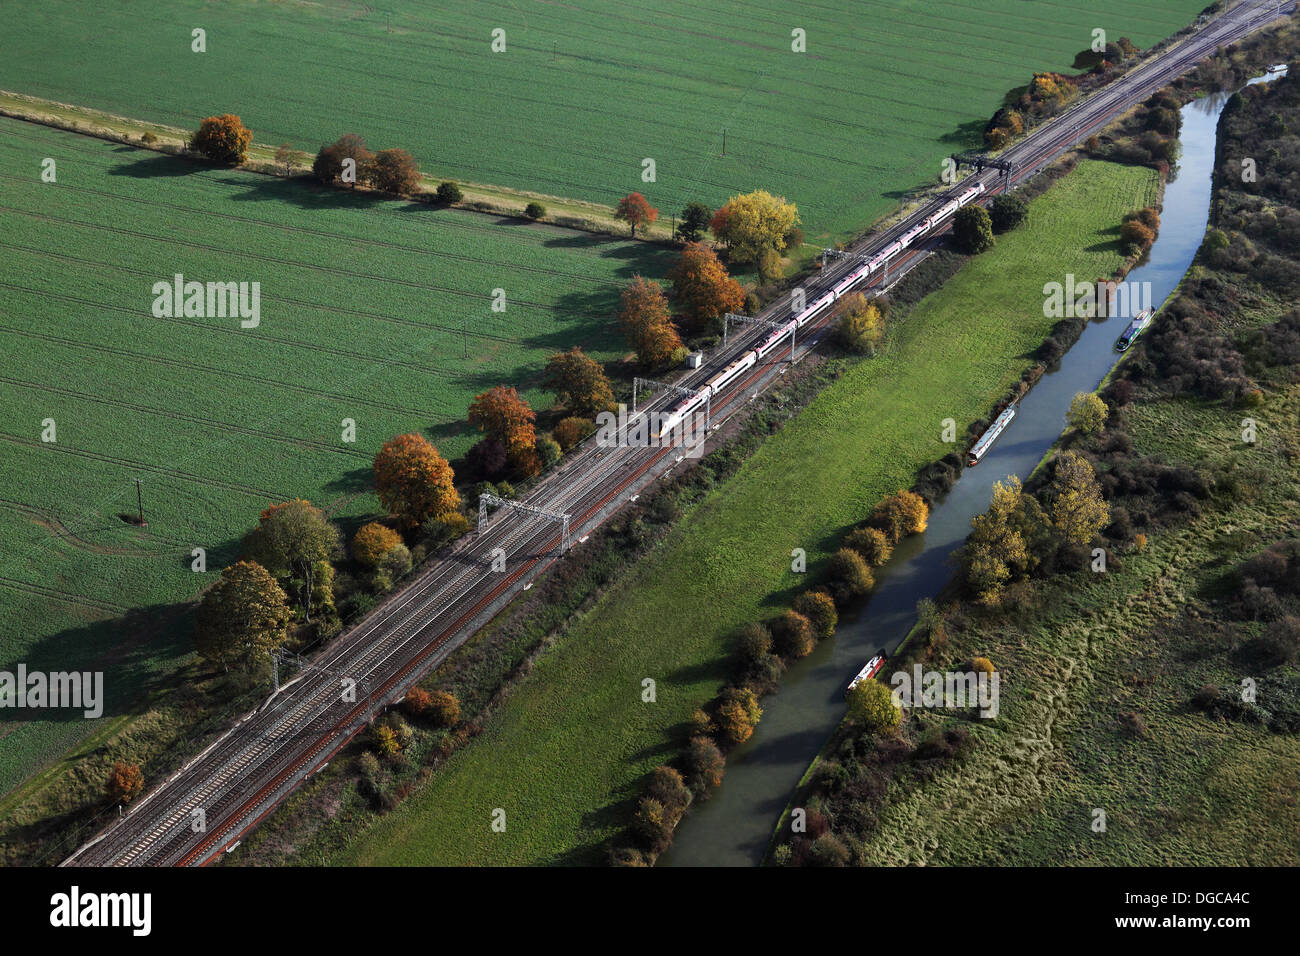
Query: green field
x=586, y=90
x=372, y=310
x=575, y=737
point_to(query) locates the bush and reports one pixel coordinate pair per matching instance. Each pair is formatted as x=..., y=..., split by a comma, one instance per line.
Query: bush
x=417, y=702
x=983, y=665
x=438, y=531
x=819, y=608
x=372, y=541
x=534, y=211
x=444, y=709
x=548, y=450
x=849, y=576
x=972, y=229
x=572, y=430
x=792, y=635
x=449, y=193
x=396, y=562
x=871, y=543
x=828, y=850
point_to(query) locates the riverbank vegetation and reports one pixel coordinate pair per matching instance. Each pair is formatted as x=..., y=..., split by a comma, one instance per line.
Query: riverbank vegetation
x=1148, y=708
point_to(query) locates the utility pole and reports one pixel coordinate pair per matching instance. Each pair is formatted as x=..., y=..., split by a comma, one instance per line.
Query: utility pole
x=139, y=501
x=724, y=141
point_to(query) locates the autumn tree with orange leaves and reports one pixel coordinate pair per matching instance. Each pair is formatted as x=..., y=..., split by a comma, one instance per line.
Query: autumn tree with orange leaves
x=413, y=481
x=635, y=210
x=702, y=289
x=223, y=139
x=125, y=781
x=643, y=313
x=501, y=414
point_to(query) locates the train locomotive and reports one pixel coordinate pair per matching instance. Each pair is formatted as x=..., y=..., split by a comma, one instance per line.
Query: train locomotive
x=797, y=321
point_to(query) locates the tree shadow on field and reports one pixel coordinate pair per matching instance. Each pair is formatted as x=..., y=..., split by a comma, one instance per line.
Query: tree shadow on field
x=157, y=165
x=300, y=191
x=969, y=135
x=138, y=653
x=350, y=482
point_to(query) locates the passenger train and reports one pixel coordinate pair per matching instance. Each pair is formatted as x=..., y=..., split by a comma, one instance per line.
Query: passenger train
x=751, y=358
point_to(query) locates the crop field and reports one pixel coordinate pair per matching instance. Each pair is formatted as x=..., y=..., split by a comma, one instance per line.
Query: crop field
x=574, y=738
x=375, y=311
x=585, y=91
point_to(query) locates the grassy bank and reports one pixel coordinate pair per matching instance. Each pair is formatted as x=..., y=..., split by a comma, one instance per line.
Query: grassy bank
x=576, y=737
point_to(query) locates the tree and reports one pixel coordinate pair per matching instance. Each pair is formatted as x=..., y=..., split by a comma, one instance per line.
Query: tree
x=871, y=543
x=753, y=642
x=579, y=383
x=848, y=575
x=444, y=709
x=901, y=514
x=223, y=139
x=792, y=635
x=500, y=413
x=666, y=786
x=125, y=782
x=996, y=550
x=534, y=211
x=871, y=706
x=695, y=220
x=819, y=608
x=736, y=714
x=973, y=229
x=702, y=290
x=704, y=766
x=284, y=156
x=372, y=541
x=754, y=222
x=449, y=193
x=330, y=164
x=291, y=539
x=1077, y=508
x=860, y=323
x=487, y=460
x=413, y=481
x=241, y=618
x=1007, y=212
x=643, y=314
x=1087, y=413
x=651, y=826
x=395, y=171
x=1137, y=234
x=635, y=210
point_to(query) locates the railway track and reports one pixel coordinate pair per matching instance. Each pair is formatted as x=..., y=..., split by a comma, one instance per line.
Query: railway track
x=205, y=807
